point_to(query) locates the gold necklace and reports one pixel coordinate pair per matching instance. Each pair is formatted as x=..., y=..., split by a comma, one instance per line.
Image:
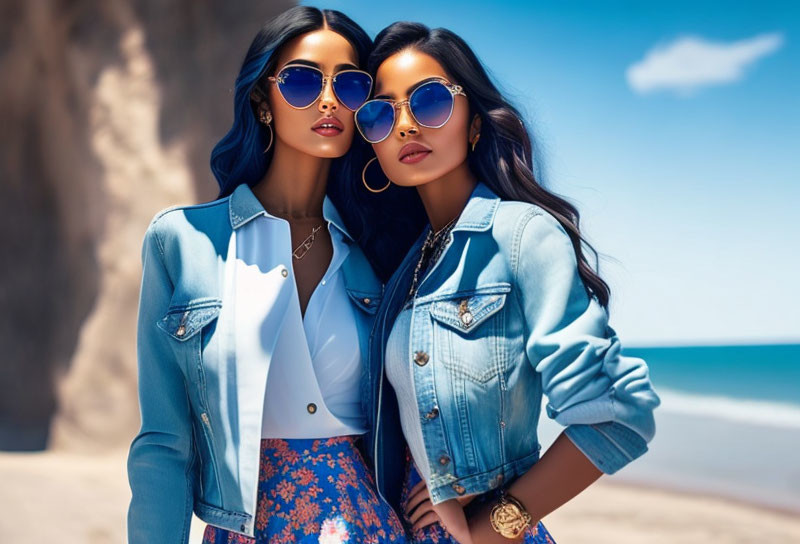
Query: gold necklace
x=431, y=240
x=306, y=244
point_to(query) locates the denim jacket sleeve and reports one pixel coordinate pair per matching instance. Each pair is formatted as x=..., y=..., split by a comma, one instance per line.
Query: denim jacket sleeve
x=604, y=400
x=159, y=459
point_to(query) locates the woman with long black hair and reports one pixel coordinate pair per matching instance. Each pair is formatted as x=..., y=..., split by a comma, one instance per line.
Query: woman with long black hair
x=255, y=311
x=494, y=306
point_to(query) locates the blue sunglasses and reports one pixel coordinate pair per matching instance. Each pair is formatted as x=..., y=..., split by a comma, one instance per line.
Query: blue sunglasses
x=430, y=104
x=302, y=85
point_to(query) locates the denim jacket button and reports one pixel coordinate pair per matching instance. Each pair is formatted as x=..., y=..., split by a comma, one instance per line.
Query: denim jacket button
x=284, y=272
x=466, y=319
x=433, y=413
x=367, y=300
x=459, y=489
x=312, y=408
x=421, y=358
x=181, y=331
x=443, y=460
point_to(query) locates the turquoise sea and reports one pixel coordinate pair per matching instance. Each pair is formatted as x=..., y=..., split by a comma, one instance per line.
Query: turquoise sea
x=728, y=423
x=769, y=373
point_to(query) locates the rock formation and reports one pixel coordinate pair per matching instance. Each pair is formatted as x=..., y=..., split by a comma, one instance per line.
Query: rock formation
x=109, y=112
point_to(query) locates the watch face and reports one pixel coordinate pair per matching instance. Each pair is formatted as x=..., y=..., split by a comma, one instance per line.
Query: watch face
x=508, y=520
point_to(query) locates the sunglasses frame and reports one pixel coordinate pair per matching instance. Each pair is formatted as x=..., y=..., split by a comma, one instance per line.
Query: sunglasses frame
x=452, y=87
x=278, y=79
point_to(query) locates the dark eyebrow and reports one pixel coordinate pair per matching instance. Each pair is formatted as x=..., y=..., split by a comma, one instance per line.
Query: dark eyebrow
x=338, y=68
x=413, y=87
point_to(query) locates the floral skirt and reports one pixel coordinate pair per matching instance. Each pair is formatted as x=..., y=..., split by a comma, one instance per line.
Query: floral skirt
x=435, y=533
x=316, y=491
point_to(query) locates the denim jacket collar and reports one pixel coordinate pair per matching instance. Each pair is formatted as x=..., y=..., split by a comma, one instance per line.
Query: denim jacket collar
x=479, y=212
x=244, y=206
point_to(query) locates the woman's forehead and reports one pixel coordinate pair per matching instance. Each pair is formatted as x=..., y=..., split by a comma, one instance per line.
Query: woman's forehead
x=323, y=47
x=402, y=70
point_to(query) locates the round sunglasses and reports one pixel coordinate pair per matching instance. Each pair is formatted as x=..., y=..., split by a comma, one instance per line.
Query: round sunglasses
x=431, y=105
x=302, y=85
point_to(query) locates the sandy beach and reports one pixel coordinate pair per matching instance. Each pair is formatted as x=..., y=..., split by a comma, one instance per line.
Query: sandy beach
x=73, y=498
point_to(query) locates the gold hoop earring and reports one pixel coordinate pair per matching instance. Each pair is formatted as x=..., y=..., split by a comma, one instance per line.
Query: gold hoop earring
x=266, y=118
x=270, y=139
x=364, y=178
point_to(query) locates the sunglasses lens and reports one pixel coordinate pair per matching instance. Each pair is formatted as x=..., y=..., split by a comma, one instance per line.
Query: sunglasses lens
x=375, y=120
x=432, y=104
x=352, y=88
x=299, y=85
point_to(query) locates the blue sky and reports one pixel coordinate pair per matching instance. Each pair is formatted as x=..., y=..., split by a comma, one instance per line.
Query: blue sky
x=675, y=129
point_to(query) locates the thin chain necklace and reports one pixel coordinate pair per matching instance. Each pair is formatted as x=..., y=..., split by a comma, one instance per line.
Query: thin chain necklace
x=306, y=244
x=432, y=242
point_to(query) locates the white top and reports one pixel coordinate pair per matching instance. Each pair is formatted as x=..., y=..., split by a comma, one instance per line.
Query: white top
x=313, y=383
x=400, y=373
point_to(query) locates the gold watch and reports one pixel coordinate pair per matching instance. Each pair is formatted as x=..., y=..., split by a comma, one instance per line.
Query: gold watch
x=509, y=517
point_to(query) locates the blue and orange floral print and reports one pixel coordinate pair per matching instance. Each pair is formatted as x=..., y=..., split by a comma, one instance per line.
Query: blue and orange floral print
x=316, y=491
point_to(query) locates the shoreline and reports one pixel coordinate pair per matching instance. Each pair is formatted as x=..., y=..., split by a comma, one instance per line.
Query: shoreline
x=679, y=490
x=85, y=499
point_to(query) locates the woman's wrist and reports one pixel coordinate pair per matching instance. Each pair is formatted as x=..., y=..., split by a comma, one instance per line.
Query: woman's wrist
x=480, y=524
x=510, y=518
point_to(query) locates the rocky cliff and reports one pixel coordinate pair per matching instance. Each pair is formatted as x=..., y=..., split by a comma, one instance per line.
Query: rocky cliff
x=109, y=112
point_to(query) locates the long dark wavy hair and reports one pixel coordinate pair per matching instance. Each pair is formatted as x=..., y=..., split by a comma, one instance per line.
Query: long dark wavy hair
x=238, y=157
x=503, y=159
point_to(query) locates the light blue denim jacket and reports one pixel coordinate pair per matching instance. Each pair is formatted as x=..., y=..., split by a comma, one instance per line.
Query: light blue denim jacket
x=501, y=319
x=200, y=400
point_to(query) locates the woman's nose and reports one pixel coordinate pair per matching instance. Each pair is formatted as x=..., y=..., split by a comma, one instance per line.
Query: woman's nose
x=406, y=124
x=328, y=101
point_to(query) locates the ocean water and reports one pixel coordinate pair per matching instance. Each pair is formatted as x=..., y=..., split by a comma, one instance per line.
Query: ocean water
x=768, y=373
x=728, y=423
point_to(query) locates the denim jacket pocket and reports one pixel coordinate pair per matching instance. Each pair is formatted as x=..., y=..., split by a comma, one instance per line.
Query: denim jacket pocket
x=468, y=309
x=367, y=302
x=183, y=321
x=468, y=341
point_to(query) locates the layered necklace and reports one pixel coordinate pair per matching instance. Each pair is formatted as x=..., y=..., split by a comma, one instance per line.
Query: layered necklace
x=431, y=250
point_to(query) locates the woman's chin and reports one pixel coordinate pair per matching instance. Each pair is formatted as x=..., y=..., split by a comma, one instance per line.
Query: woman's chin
x=328, y=152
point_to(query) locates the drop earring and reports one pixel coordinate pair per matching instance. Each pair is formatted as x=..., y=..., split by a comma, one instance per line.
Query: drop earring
x=266, y=117
x=475, y=141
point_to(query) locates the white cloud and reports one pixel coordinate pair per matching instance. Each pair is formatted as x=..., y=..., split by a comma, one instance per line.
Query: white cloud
x=688, y=63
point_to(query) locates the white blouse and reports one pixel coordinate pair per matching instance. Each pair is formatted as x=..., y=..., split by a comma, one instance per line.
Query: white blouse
x=313, y=384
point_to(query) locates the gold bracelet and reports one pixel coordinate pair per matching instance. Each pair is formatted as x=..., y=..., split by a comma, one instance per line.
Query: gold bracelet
x=508, y=517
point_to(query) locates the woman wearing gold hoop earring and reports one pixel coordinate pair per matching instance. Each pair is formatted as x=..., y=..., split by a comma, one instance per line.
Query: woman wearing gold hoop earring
x=493, y=308
x=266, y=118
x=364, y=178
x=255, y=312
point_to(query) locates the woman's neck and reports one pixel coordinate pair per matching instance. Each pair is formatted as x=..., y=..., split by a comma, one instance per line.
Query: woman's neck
x=444, y=198
x=295, y=183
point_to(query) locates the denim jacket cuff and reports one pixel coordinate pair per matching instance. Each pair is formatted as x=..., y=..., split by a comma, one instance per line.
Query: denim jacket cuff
x=609, y=445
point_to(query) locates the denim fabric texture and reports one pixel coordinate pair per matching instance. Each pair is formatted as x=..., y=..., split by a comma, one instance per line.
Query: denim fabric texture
x=200, y=394
x=499, y=322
